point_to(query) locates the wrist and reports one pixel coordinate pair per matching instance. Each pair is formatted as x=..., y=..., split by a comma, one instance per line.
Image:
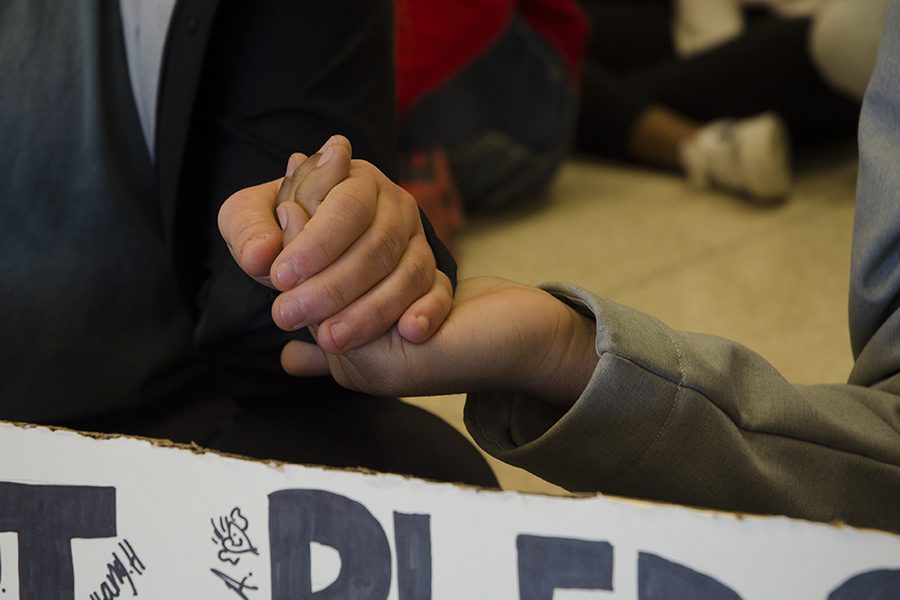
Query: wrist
x=562, y=357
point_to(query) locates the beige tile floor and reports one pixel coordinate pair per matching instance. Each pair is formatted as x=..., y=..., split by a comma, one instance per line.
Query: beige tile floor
x=774, y=279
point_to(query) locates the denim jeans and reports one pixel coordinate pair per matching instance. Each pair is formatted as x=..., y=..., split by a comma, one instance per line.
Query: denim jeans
x=506, y=121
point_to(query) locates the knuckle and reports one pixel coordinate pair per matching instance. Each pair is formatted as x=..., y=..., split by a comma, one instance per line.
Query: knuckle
x=334, y=298
x=386, y=250
x=311, y=255
x=443, y=291
x=362, y=165
x=407, y=202
x=375, y=319
x=443, y=280
x=235, y=199
x=421, y=274
x=347, y=382
x=239, y=229
x=353, y=204
x=224, y=214
x=247, y=233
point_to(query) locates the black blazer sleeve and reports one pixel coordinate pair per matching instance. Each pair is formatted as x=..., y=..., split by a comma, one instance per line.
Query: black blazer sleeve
x=277, y=77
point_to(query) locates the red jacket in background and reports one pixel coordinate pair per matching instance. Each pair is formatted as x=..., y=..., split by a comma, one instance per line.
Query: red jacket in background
x=435, y=39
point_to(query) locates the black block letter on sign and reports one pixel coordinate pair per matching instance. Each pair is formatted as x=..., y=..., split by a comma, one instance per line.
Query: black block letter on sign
x=298, y=517
x=47, y=517
x=412, y=538
x=661, y=579
x=549, y=563
x=874, y=585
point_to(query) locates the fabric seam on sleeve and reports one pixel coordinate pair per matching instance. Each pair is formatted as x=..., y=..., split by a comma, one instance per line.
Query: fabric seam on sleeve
x=678, y=387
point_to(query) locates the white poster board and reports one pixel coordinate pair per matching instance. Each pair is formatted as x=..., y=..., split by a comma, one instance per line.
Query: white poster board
x=97, y=519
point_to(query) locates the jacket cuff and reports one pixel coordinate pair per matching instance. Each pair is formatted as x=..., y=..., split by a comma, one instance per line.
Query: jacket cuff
x=615, y=421
x=443, y=258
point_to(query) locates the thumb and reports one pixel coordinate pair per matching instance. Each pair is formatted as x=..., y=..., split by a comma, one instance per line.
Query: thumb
x=304, y=359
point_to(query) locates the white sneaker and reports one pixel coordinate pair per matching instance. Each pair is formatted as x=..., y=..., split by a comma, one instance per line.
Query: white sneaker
x=749, y=157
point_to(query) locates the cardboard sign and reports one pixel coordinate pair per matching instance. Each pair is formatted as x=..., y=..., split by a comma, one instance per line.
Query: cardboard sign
x=99, y=519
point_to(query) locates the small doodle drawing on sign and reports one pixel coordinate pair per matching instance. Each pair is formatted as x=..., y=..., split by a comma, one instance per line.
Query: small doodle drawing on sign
x=231, y=536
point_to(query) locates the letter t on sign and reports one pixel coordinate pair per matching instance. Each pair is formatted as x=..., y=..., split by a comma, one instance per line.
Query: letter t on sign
x=47, y=517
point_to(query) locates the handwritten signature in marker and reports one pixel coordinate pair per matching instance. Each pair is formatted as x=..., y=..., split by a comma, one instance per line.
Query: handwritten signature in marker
x=234, y=585
x=119, y=572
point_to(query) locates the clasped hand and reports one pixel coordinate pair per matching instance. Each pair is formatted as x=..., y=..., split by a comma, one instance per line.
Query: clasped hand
x=346, y=248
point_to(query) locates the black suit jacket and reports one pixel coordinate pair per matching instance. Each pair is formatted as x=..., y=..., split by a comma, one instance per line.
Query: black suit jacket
x=243, y=85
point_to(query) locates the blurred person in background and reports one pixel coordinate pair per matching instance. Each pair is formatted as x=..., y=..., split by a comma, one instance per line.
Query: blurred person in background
x=721, y=89
x=487, y=99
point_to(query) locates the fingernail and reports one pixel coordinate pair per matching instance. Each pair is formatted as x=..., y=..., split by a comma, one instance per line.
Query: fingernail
x=282, y=213
x=423, y=322
x=251, y=243
x=325, y=156
x=342, y=335
x=293, y=163
x=287, y=275
x=328, y=144
x=292, y=313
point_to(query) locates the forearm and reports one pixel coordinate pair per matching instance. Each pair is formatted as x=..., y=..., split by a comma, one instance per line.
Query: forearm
x=700, y=420
x=560, y=357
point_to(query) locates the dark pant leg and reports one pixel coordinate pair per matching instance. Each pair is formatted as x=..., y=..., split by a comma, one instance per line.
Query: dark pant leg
x=609, y=109
x=631, y=64
x=326, y=426
x=355, y=430
x=625, y=35
x=767, y=68
x=629, y=34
